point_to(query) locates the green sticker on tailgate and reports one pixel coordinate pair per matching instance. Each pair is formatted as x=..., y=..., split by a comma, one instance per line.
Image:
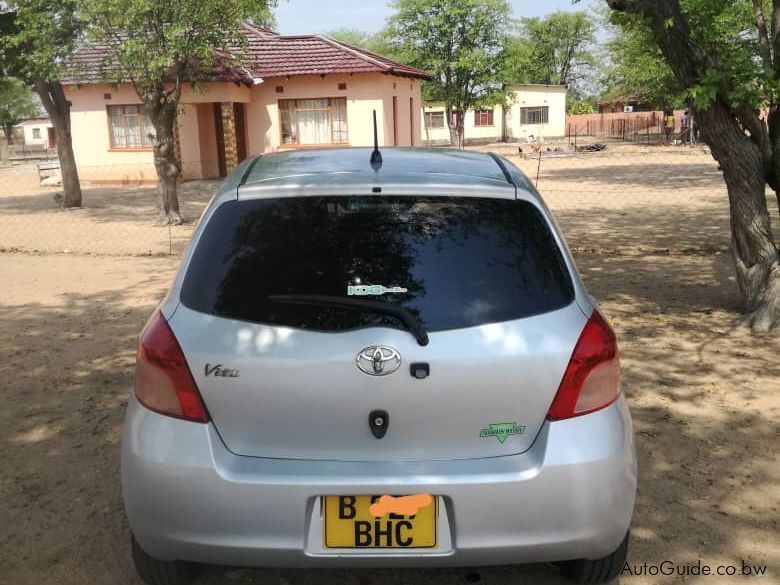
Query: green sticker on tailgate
x=502, y=431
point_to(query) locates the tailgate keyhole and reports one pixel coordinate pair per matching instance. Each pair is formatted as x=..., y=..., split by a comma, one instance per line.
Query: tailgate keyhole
x=378, y=421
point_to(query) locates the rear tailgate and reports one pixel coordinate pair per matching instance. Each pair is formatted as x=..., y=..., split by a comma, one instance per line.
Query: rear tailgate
x=297, y=394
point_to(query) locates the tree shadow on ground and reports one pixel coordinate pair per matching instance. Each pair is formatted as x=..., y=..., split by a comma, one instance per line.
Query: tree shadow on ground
x=64, y=379
x=114, y=204
x=116, y=221
x=646, y=171
x=703, y=397
x=664, y=229
x=640, y=198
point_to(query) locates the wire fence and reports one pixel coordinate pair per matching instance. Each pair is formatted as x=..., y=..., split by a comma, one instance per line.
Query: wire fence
x=623, y=199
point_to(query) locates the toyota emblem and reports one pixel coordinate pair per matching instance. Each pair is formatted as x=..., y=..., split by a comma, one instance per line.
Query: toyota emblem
x=378, y=360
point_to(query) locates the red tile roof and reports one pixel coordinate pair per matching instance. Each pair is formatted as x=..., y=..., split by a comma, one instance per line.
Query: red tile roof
x=272, y=55
x=268, y=55
x=92, y=63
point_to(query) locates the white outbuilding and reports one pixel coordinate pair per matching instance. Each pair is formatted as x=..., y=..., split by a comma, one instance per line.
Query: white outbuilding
x=38, y=132
x=532, y=110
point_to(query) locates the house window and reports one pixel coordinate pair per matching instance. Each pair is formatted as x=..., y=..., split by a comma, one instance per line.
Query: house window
x=538, y=115
x=483, y=117
x=37, y=133
x=317, y=121
x=130, y=128
x=434, y=119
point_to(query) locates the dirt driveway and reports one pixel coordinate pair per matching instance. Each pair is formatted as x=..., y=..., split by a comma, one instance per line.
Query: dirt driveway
x=705, y=397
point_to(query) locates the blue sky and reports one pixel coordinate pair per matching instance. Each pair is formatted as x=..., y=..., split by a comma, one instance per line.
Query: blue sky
x=318, y=16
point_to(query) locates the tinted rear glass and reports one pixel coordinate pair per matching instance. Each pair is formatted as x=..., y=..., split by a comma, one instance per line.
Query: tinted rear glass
x=461, y=261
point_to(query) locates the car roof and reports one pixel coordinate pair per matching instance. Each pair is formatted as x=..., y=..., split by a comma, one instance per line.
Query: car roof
x=343, y=171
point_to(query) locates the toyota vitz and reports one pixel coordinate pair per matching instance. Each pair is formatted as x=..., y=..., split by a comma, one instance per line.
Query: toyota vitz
x=377, y=360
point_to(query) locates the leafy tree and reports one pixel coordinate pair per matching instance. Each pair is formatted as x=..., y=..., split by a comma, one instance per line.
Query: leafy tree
x=377, y=42
x=38, y=37
x=637, y=66
x=586, y=106
x=15, y=105
x=554, y=50
x=460, y=42
x=159, y=46
x=726, y=55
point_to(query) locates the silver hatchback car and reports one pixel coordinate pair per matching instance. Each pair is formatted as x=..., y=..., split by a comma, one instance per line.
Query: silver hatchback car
x=378, y=365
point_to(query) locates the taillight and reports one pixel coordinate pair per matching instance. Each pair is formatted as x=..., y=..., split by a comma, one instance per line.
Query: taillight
x=592, y=378
x=163, y=381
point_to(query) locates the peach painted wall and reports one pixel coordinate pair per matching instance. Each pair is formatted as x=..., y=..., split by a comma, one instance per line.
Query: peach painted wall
x=96, y=160
x=208, y=141
x=215, y=92
x=91, y=143
x=365, y=92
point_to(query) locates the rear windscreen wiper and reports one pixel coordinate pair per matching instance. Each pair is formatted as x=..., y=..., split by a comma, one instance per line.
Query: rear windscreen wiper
x=405, y=316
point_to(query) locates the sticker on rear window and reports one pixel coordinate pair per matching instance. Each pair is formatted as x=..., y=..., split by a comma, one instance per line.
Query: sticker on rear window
x=373, y=290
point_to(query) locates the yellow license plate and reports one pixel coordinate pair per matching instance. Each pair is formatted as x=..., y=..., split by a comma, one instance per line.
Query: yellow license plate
x=350, y=524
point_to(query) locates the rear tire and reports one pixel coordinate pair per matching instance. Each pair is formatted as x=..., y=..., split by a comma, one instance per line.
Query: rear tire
x=601, y=570
x=155, y=571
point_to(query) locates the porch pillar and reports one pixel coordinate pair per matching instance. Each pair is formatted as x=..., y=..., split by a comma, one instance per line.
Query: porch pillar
x=229, y=135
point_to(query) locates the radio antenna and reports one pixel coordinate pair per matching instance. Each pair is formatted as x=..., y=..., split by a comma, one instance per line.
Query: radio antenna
x=376, y=156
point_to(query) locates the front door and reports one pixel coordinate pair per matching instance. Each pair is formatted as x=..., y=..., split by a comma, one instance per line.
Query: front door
x=220, y=132
x=52, y=138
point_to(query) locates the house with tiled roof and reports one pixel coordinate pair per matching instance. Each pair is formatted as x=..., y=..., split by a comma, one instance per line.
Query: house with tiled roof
x=287, y=92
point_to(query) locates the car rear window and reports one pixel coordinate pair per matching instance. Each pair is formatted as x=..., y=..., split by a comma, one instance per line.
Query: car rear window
x=453, y=262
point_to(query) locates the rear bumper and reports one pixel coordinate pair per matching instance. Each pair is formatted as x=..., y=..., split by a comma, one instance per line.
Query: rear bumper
x=570, y=496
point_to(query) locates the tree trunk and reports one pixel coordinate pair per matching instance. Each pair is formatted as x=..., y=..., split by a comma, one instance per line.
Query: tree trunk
x=773, y=125
x=448, y=113
x=459, y=132
x=53, y=99
x=68, y=170
x=8, y=130
x=456, y=130
x=454, y=136
x=163, y=114
x=755, y=253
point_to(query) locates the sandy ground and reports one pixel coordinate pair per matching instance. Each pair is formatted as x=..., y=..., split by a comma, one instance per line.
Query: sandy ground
x=705, y=395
